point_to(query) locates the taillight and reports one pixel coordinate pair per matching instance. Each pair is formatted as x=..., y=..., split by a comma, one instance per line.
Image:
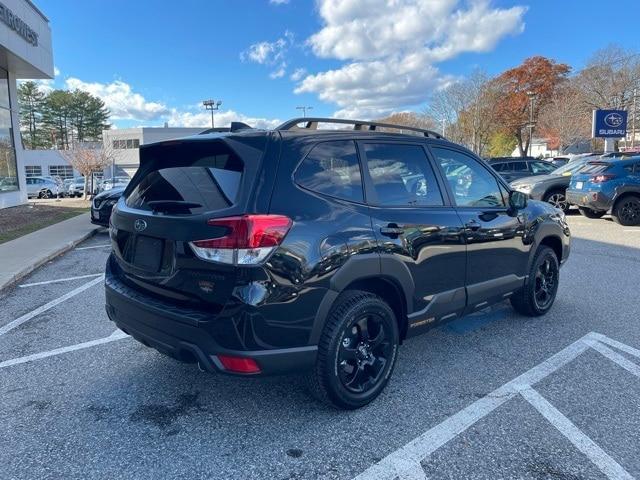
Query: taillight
x=249, y=239
x=602, y=178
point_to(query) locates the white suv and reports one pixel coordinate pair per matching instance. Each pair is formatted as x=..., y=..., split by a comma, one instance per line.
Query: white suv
x=41, y=187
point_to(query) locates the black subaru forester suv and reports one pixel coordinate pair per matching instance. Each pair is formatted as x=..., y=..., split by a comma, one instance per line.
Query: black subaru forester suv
x=320, y=251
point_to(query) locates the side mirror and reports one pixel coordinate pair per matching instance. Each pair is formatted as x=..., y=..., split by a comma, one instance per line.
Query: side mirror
x=517, y=200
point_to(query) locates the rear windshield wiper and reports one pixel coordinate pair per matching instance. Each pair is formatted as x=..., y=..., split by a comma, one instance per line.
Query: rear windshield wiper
x=172, y=205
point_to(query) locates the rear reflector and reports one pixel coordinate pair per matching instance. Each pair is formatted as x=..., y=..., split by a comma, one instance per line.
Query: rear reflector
x=248, y=240
x=239, y=364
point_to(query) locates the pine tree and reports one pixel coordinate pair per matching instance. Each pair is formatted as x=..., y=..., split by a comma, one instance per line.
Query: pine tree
x=31, y=99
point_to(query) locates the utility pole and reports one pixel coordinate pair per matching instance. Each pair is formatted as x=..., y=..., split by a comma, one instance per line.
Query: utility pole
x=212, y=105
x=304, y=110
x=532, y=98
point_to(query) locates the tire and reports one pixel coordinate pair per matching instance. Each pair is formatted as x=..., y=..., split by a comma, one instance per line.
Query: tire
x=626, y=211
x=45, y=194
x=537, y=295
x=356, y=352
x=587, y=212
x=558, y=199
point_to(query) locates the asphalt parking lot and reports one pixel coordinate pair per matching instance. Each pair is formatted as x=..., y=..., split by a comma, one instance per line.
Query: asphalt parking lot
x=495, y=395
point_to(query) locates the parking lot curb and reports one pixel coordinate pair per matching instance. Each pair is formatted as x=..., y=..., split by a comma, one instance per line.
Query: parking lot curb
x=7, y=280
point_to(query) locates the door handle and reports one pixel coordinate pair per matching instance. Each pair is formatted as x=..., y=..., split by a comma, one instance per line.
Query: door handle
x=391, y=230
x=473, y=225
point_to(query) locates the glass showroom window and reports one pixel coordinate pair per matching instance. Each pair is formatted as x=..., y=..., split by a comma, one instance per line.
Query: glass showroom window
x=8, y=167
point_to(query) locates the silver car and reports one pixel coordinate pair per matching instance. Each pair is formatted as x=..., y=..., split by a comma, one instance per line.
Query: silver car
x=41, y=187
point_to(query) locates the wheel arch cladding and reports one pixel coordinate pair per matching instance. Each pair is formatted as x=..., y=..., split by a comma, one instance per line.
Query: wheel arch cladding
x=625, y=194
x=555, y=244
x=390, y=291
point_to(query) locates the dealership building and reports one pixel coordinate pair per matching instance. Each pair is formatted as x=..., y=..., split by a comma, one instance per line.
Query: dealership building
x=25, y=53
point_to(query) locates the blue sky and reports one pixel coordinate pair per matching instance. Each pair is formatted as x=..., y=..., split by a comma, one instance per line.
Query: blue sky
x=156, y=61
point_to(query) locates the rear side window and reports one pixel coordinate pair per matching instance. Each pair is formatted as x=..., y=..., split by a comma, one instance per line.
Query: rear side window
x=595, y=168
x=193, y=179
x=402, y=175
x=332, y=168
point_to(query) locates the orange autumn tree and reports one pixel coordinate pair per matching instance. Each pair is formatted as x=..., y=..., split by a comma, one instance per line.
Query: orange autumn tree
x=539, y=75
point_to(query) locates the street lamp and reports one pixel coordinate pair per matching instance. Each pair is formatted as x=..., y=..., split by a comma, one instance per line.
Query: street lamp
x=304, y=110
x=532, y=98
x=212, y=105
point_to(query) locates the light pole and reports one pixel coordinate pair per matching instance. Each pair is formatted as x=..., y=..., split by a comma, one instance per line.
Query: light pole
x=532, y=98
x=212, y=105
x=304, y=110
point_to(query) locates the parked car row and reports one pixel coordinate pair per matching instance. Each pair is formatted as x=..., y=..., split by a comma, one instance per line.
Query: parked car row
x=596, y=184
x=51, y=187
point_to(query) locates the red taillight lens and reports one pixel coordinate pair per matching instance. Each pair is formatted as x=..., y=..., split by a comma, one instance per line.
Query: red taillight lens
x=248, y=238
x=602, y=178
x=239, y=364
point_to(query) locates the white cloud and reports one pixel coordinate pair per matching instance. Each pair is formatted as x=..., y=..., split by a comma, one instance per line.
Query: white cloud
x=278, y=2
x=280, y=72
x=298, y=74
x=223, y=118
x=271, y=54
x=121, y=100
x=126, y=104
x=392, y=48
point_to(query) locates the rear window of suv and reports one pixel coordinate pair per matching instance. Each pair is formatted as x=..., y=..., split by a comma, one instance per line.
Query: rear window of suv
x=201, y=179
x=595, y=167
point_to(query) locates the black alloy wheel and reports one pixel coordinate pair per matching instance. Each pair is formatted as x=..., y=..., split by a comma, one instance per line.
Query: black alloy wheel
x=357, y=350
x=546, y=283
x=537, y=295
x=364, y=352
x=627, y=211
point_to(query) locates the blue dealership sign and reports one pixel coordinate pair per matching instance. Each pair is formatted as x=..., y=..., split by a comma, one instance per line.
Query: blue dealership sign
x=609, y=123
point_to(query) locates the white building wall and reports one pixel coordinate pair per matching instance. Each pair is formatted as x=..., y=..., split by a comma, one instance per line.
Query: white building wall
x=22, y=58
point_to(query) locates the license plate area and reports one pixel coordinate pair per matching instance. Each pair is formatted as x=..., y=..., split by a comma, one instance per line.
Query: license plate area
x=579, y=185
x=148, y=253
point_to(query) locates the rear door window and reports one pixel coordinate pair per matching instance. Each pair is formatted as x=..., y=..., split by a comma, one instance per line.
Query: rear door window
x=196, y=179
x=402, y=175
x=332, y=168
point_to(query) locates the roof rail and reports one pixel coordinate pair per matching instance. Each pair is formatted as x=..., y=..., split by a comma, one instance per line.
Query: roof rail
x=312, y=124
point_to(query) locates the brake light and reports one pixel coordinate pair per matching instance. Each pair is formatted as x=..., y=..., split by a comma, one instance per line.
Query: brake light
x=249, y=239
x=602, y=178
x=239, y=364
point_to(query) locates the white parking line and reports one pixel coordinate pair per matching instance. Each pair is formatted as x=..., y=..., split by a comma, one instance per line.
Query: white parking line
x=68, y=279
x=405, y=463
x=634, y=230
x=94, y=246
x=581, y=441
x=33, y=313
x=117, y=335
x=418, y=449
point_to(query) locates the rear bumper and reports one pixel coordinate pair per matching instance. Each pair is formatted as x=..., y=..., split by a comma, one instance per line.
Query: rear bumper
x=589, y=199
x=180, y=333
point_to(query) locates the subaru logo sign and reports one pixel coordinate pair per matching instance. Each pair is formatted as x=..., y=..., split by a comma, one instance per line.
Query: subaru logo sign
x=139, y=225
x=614, y=120
x=609, y=123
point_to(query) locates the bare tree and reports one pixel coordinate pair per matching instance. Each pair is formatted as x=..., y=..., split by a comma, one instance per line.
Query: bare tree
x=88, y=159
x=466, y=110
x=609, y=78
x=565, y=120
